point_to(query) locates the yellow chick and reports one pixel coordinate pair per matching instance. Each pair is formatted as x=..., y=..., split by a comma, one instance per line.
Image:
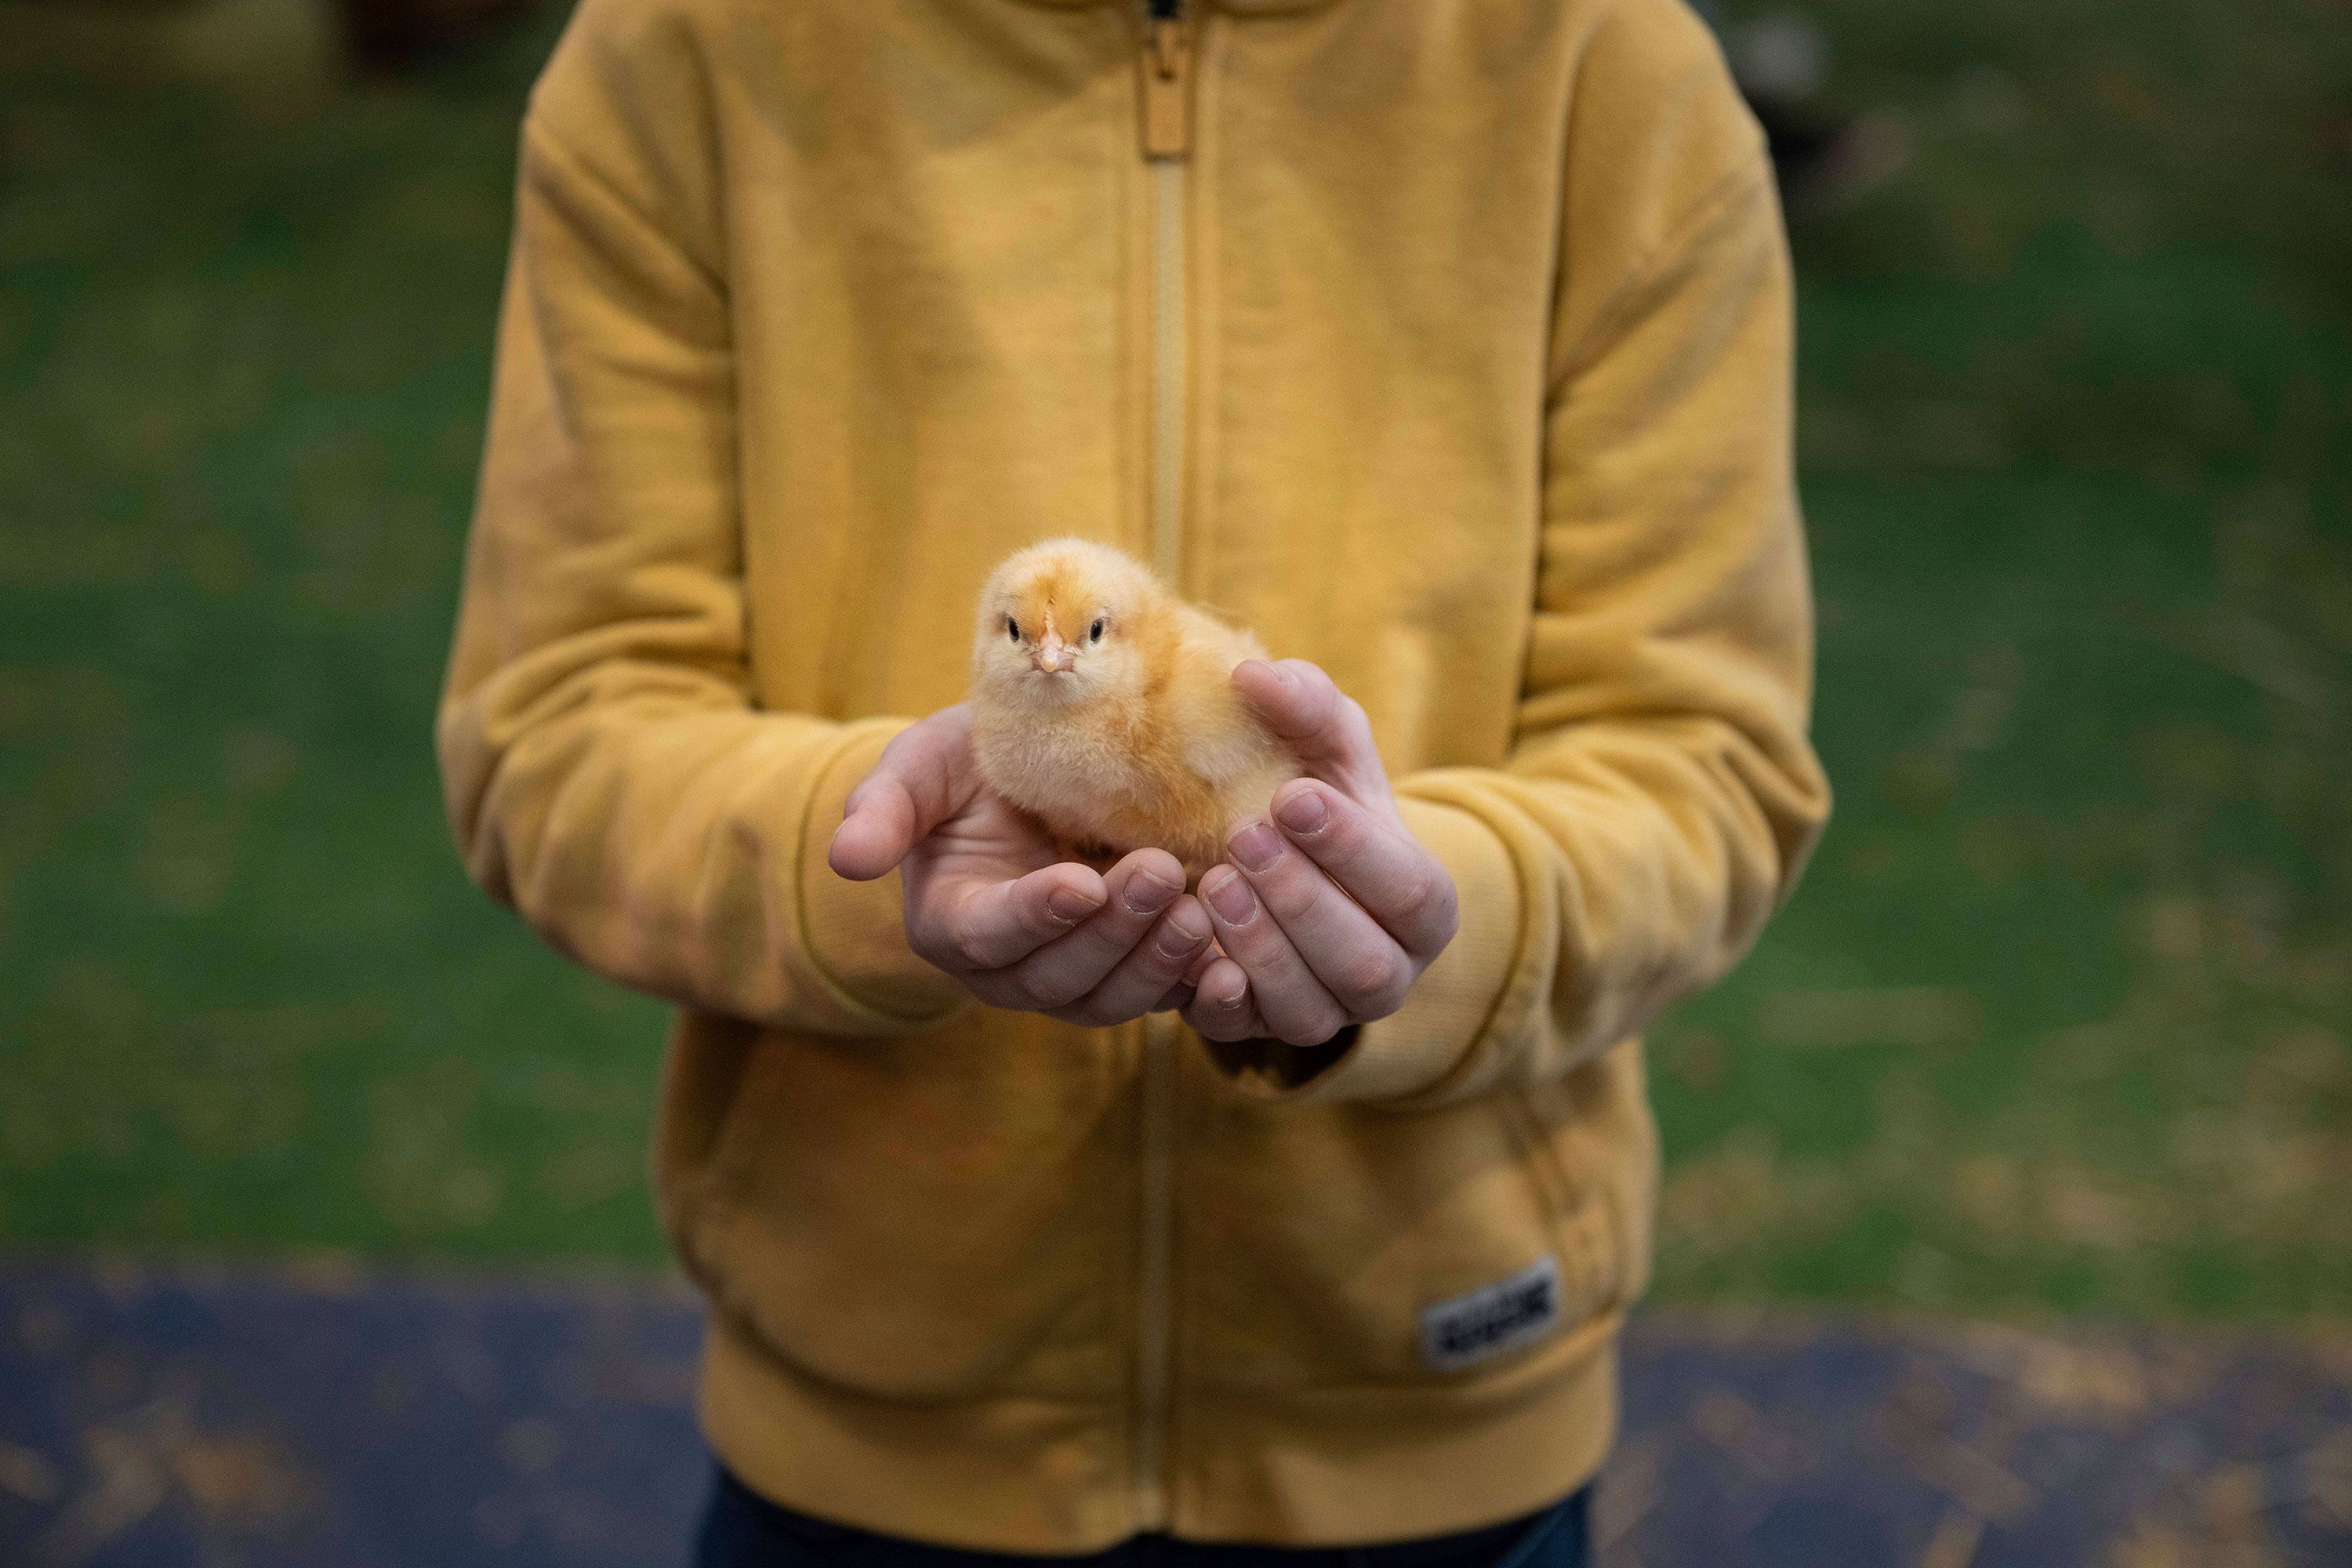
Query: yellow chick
x=1103, y=705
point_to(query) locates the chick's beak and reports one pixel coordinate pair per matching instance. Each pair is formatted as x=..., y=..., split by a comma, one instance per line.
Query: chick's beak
x=1053, y=655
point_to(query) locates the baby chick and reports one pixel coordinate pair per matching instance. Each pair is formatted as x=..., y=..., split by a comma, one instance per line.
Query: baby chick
x=1102, y=704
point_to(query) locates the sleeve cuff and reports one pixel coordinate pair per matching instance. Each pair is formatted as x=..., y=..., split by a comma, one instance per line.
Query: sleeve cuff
x=1450, y=1006
x=855, y=932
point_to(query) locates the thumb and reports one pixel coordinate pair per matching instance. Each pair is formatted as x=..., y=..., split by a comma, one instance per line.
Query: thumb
x=1325, y=728
x=879, y=824
x=919, y=783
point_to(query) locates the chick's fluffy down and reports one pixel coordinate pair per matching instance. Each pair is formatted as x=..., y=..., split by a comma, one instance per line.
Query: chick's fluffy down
x=1103, y=705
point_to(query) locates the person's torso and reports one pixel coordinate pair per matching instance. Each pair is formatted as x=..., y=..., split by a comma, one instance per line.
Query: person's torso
x=1302, y=368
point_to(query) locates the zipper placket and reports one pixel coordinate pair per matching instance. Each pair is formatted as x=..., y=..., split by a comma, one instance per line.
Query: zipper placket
x=1153, y=1339
x=1164, y=102
x=1166, y=97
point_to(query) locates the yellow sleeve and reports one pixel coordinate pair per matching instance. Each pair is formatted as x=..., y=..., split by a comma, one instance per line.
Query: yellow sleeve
x=606, y=768
x=1661, y=796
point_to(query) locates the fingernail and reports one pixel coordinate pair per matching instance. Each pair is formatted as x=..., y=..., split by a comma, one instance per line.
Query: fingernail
x=1254, y=847
x=1304, y=812
x=1231, y=897
x=1147, y=894
x=1069, y=905
x=1181, y=932
x=1281, y=675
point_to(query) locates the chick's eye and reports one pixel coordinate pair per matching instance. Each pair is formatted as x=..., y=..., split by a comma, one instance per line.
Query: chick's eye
x=1013, y=628
x=1095, y=634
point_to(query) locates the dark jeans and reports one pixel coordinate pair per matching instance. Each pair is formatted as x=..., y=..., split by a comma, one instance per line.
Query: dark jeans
x=742, y=1529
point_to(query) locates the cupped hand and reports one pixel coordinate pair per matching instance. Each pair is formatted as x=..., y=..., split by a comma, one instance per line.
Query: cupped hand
x=1329, y=912
x=989, y=900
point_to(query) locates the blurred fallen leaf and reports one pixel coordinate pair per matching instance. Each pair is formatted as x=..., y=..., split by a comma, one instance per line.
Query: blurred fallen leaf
x=1630, y=1488
x=2176, y=928
x=26, y=1474
x=2121, y=89
x=1895, y=1016
x=2105, y=1381
x=2151, y=1546
x=1743, y=1432
x=529, y=1447
x=238, y=1476
x=2230, y=1498
x=2327, y=1480
x=1700, y=1060
x=1954, y=1544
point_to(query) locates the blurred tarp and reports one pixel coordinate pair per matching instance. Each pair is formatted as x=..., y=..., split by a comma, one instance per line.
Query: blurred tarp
x=2059, y=1020
x=280, y=1420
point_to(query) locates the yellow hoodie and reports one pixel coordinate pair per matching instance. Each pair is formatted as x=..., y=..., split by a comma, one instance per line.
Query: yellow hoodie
x=1444, y=342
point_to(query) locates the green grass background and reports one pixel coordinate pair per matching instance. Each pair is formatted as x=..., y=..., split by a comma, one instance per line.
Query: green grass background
x=2059, y=1020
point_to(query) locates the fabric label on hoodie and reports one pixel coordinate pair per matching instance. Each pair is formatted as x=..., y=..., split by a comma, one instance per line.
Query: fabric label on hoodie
x=1492, y=1319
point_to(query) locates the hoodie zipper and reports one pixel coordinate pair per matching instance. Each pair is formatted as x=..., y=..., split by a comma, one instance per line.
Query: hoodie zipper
x=1153, y=1342
x=1165, y=95
x=1164, y=102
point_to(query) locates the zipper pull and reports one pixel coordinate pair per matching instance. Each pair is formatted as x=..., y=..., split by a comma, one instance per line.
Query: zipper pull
x=1167, y=79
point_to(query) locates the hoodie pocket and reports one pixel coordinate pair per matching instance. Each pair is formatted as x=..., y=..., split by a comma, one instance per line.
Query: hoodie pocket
x=1593, y=1135
x=922, y=1218
x=1345, y=1246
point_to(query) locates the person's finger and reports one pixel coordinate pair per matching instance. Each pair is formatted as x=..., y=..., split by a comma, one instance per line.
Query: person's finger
x=1151, y=973
x=1294, y=1004
x=919, y=782
x=991, y=925
x=1359, y=963
x=1222, y=1007
x=1305, y=708
x=1398, y=881
x=1138, y=890
x=1177, y=999
x=1295, y=699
